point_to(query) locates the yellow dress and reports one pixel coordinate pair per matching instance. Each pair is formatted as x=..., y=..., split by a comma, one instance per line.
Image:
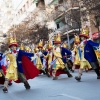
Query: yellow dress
x=59, y=63
x=11, y=72
x=83, y=62
x=39, y=64
x=77, y=59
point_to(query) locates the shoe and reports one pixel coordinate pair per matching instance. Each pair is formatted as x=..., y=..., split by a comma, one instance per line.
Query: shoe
x=9, y=84
x=70, y=75
x=98, y=77
x=78, y=78
x=55, y=78
x=48, y=75
x=5, y=90
x=72, y=71
x=26, y=84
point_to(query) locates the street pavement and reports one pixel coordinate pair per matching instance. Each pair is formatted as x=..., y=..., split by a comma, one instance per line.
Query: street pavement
x=44, y=88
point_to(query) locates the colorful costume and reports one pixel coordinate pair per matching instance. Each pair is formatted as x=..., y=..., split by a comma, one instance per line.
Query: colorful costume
x=58, y=66
x=84, y=54
x=20, y=68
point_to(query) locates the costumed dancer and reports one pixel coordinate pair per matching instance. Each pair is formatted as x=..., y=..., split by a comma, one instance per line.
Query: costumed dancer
x=83, y=62
x=58, y=66
x=65, y=55
x=92, y=54
x=49, y=57
x=45, y=59
x=20, y=68
x=75, y=52
x=39, y=60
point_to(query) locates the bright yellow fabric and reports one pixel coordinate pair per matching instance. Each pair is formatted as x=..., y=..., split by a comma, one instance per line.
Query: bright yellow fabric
x=12, y=68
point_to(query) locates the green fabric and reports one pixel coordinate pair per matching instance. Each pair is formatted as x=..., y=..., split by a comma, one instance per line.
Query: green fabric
x=53, y=2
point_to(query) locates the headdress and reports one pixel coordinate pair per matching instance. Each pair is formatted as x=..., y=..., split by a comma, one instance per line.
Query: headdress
x=76, y=39
x=65, y=45
x=57, y=39
x=85, y=32
x=22, y=47
x=40, y=44
x=12, y=41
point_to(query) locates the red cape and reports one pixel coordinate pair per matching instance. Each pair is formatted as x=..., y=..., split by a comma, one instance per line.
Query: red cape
x=1, y=78
x=58, y=72
x=30, y=70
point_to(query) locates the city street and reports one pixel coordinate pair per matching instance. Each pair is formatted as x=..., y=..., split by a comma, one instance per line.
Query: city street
x=44, y=88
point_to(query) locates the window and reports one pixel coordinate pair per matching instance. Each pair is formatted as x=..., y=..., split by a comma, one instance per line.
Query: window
x=40, y=3
x=60, y=1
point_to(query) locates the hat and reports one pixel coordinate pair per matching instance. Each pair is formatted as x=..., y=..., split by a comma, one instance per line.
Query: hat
x=65, y=45
x=13, y=42
x=49, y=45
x=85, y=32
x=76, y=39
x=27, y=48
x=22, y=47
x=40, y=44
x=57, y=39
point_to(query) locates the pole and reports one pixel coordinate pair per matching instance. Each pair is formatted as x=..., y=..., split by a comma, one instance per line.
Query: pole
x=64, y=5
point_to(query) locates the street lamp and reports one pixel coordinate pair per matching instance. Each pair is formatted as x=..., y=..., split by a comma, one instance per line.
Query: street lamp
x=97, y=19
x=64, y=5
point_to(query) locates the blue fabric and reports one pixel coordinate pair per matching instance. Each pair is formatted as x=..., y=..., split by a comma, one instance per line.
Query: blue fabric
x=65, y=51
x=1, y=55
x=21, y=53
x=42, y=57
x=89, y=53
x=80, y=53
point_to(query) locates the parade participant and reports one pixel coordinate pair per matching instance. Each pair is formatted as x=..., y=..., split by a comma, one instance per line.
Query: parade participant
x=58, y=66
x=45, y=59
x=65, y=54
x=75, y=51
x=39, y=60
x=49, y=57
x=83, y=62
x=91, y=53
x=20, y=68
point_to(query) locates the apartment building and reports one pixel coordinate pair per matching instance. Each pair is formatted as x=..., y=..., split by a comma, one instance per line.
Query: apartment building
x=90, y=16
x=66, y=16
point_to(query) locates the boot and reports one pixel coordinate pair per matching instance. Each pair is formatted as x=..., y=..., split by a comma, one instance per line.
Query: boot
x=55, y=78
x=9, y=83
x=42, y=71
x=47, y=72
x=98, y=73
x=26, y=84
x=78, y=78
x=5, y=90
x=67, y=72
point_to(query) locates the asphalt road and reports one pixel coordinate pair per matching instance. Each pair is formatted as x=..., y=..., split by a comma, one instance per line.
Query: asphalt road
x=44, y=88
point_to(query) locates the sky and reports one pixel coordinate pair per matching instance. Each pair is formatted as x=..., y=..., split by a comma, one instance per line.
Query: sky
x=16, y=3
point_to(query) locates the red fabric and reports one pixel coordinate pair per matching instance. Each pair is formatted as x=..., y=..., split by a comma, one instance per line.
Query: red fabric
x=77, y=66
x=1, y=78
x=58, y=72
x=4, y=69
x=30, y=70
